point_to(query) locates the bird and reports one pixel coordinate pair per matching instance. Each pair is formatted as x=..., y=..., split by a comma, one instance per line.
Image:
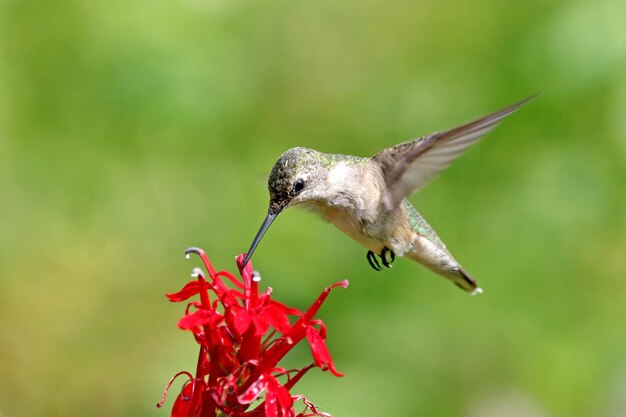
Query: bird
x=366, y=198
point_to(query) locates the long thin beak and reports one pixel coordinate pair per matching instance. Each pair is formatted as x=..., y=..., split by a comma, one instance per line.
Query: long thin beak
x=257, y=239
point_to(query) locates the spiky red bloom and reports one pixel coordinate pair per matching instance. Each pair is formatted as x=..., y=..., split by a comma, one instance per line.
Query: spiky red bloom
x=243, y=334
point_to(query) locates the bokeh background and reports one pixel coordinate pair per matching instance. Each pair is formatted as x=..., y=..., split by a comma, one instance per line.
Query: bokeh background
x=130, y=130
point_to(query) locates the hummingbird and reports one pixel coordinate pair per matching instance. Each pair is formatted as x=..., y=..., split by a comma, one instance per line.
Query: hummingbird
x=366, y=198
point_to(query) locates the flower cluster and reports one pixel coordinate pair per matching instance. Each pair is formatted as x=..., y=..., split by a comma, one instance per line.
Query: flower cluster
x=243, y=334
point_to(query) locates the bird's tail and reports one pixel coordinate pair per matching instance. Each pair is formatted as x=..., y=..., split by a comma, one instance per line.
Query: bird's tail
x=464, y=281
x=441, y=262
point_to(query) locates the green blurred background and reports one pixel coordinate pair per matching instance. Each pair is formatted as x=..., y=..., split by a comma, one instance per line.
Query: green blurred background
x=130, y=130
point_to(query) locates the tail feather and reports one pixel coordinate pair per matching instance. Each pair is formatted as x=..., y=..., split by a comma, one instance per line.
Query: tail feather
x=464, y=281
x=433, y=254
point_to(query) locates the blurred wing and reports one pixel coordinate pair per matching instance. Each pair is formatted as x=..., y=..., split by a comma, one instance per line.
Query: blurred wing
x=409, y=166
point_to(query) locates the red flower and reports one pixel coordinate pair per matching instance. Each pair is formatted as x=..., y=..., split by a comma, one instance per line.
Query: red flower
x=242, y=336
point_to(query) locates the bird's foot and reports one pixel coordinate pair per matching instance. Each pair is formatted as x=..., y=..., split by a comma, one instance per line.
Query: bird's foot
x=371, y=258
x=383, y=257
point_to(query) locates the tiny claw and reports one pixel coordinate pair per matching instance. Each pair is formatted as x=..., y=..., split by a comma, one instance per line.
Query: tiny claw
x=371, y=258
x=383, y=257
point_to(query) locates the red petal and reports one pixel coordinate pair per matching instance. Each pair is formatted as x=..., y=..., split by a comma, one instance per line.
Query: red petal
x=312, y=311
x=189, y=290
x=253, y=392
x=320, y=351
x=185, y=405
x=198, y=319
x=246, y=273
x=271, y=406
x=322, y=329
x=277, y=318
x=285, y=402
x=285, y=309
x=229, y=298
x=260, y=325
x=278, y=401
x=230, y=277
x=241, y=321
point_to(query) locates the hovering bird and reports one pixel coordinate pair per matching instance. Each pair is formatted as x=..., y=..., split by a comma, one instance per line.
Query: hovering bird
x=366, y=197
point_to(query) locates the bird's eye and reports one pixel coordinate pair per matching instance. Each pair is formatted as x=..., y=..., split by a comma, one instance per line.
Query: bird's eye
x=298, y=186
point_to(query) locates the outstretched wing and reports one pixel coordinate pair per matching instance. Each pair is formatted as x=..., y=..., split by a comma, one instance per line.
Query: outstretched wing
x=409, y=166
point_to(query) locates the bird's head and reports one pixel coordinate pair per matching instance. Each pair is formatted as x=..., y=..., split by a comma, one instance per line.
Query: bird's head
x=297, y=177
